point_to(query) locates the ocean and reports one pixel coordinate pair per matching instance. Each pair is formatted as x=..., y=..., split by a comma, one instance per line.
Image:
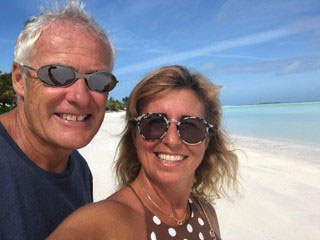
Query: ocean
x=298, y=122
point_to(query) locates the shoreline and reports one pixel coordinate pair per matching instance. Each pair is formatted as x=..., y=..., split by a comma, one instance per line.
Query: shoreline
x=297, y=150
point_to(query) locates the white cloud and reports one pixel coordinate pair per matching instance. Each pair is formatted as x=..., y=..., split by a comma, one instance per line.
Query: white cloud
x=299, y=26
x=278, y=67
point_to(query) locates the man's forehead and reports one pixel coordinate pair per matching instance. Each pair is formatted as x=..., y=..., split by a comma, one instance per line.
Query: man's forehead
x=66, y=28
x=63, y=33
x=67, y=43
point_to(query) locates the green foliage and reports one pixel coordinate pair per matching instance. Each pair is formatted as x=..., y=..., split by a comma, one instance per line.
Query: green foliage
x=115, y=105
x=125, y=101
x=7, y=94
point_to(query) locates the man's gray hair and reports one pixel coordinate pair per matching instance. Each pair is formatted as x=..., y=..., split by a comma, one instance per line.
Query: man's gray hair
x=72, y=11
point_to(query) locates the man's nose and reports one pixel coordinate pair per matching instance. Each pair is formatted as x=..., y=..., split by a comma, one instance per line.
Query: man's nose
x=79, y=93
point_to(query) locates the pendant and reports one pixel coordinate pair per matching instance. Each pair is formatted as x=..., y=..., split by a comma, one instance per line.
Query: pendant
x=179, y=222
x=212, y=234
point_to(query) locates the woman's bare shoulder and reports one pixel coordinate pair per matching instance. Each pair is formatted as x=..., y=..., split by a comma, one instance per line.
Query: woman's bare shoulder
x=106, y=219
x=212, y=215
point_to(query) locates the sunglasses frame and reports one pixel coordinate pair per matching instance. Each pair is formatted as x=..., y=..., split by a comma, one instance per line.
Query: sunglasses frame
x=76, y=74
x=168, y=121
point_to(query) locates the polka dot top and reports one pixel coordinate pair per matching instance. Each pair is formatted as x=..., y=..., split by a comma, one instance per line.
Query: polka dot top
x=194, y=228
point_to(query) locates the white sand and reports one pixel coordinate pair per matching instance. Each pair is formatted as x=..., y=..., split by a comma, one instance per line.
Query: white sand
x=100, y=153
x=280, y=185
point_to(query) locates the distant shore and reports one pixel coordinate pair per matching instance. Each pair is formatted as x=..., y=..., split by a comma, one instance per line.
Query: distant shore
x=265, y=103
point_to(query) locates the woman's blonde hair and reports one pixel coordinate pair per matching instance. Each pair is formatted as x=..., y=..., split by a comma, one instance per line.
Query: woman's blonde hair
x=219, y=167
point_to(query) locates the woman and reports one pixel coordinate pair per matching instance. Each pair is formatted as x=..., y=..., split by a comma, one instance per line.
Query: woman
x=173, y=160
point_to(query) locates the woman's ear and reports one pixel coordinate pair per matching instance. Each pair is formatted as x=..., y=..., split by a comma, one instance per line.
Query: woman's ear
x=18, y=80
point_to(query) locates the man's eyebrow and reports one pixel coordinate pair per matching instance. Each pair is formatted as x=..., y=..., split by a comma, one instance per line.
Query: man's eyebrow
x=76, y=70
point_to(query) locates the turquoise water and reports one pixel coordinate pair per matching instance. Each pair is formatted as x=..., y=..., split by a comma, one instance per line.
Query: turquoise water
x=285, y=121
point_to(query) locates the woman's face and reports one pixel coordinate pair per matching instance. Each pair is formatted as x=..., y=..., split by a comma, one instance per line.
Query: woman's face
x=169, y=160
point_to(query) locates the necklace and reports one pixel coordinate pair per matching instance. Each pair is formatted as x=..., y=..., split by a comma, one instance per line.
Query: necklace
x=178, y=221
x=211, y=232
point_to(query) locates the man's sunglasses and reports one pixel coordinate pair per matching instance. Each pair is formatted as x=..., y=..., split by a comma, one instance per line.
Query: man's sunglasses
x=154, y=126
x=58, y=75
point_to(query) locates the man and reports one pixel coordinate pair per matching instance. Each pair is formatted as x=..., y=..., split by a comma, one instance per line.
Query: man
x=61, y=74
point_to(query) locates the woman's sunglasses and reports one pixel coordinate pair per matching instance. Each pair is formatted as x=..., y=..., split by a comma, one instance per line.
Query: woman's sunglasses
x=154, y=126
x=58, y=75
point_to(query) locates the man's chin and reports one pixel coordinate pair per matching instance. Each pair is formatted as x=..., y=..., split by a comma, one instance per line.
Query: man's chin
x=74, y=143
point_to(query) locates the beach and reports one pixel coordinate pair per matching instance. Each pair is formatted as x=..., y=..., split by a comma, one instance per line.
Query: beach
x=280, y=190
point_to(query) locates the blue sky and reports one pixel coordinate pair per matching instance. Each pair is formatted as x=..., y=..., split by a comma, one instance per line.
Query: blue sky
x=259, y=51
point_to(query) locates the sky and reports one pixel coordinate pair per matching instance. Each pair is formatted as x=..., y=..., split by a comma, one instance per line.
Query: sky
x=258, y=51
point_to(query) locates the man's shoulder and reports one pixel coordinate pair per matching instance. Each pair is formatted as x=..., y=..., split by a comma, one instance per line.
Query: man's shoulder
x=78, y=159
x=7, y=141
x=8, y=148
x=76, y=155
x=3, y=132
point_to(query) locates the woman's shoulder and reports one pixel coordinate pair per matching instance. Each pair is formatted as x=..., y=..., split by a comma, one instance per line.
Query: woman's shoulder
x=208, y=209
x=101, y=220
x=205, y=205
x=208, y=206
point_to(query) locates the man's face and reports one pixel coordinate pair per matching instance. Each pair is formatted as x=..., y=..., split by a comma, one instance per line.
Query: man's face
x=65, y=117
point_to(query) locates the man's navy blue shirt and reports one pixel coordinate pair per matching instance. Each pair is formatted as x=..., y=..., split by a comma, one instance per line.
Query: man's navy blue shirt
x=33, y=202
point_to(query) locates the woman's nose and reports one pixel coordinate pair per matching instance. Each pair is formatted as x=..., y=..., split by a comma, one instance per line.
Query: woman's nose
x=172, y=136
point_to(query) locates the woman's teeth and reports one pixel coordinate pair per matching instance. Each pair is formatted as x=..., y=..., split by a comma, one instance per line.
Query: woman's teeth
x=170, y=158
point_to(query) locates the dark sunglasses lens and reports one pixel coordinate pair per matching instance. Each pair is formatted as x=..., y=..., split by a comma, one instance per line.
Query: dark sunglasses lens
x=152, y=127
x=192, y=130
x=102, y=82
x=55, y=75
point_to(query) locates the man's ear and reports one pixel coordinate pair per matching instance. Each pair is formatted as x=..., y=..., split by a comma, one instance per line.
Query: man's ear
x=18, y=81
